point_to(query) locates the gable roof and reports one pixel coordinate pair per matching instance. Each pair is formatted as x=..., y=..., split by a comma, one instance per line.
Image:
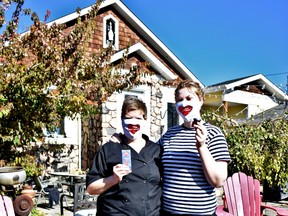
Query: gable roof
x=147, y=56
x=154, y=41
x=257, y=79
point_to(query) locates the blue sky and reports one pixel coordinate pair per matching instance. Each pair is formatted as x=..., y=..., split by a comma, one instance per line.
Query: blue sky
x=217, y=40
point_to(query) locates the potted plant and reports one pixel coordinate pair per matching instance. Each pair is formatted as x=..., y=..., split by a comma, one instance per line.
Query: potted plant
x=275, y=165
x=30, y=165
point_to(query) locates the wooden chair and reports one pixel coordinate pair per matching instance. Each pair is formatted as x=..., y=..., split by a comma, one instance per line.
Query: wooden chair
x=242, y=197
x=6, y=206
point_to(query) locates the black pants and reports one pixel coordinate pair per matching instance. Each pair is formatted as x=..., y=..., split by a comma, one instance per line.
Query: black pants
x=53, y=196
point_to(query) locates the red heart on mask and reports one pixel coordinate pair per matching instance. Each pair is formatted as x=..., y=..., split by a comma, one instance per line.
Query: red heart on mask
x=185, y=110
x=133, y=128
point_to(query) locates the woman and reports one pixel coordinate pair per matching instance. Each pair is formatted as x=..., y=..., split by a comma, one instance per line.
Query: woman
x=195, y=158
x=126, y=175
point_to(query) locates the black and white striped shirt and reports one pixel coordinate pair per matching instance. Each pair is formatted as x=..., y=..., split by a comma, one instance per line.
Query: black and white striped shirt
x=185, y=188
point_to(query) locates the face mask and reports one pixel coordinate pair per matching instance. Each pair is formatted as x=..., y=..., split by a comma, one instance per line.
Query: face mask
x=133, y=128
x=188, y=110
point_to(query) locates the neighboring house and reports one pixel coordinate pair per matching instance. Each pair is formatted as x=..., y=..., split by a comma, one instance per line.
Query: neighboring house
x=244, y=97
x=116, y=24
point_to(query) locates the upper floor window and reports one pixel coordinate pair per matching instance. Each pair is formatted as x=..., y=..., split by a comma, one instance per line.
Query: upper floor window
x=110, y=32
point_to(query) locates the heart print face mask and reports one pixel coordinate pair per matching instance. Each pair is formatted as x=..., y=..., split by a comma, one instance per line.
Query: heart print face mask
x=133, y=128
x=188, y=110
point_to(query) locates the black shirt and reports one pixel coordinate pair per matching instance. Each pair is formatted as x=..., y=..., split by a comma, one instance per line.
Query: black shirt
x=139, y=192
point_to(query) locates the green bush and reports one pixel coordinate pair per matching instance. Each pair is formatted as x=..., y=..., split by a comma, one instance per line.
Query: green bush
x=259, y=150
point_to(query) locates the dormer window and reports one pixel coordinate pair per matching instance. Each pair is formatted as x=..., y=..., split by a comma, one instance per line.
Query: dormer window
x=110, y=32
x=110, y=29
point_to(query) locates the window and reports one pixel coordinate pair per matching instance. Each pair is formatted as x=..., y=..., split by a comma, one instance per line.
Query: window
x=110, y=32
x=169, y=115
x=68, y=132
x=172, y=119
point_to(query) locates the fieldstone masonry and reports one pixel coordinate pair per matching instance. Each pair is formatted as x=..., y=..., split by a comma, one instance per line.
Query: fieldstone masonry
x=66, y=159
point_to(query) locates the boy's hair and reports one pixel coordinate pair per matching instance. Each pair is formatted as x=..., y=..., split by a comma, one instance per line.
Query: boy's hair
x=133, y=103
x=192, y=86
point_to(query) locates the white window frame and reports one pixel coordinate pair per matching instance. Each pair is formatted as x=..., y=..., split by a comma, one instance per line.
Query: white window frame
x=105, y=44
x=72, y=129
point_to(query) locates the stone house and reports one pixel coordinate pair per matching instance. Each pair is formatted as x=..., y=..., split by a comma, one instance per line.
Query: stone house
x=116, y=24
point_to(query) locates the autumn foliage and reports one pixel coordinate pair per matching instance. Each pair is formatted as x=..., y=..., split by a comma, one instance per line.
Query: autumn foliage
x=47, y=73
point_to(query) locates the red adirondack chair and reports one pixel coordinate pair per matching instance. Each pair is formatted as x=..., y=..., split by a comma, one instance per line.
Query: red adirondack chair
x=6, y=206
x=242, y=197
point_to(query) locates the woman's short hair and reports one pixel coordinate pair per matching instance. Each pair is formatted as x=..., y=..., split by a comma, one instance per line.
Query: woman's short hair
x=193, y=86
x=133, y=103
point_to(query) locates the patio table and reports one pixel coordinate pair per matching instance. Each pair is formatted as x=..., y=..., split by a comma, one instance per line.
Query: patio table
x=70, y=179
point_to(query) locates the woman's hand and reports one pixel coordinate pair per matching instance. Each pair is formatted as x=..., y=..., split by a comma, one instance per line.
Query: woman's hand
x=101, y=185
x=201, y=133
x=119, y=171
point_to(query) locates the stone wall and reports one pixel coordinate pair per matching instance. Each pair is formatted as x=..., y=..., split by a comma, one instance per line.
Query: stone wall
x=156, y=105
x=91, y=139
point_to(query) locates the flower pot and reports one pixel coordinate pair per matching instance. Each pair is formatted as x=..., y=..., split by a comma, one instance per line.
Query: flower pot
x=29, y=192
x=12, y=175
x=274, y=193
